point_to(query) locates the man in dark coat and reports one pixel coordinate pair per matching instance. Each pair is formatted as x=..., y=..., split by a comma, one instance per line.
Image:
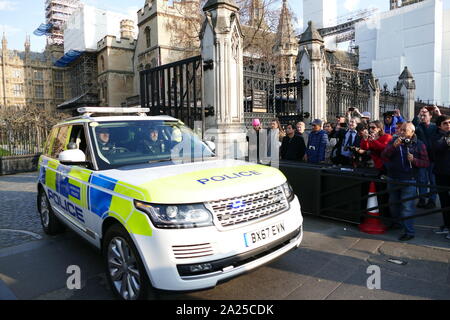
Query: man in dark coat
x=293, y=146
x=426, y=132
x=347, y=138
x=403, y=157
x=441, y=150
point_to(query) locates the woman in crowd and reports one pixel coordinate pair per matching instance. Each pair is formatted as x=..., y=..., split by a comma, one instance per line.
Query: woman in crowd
x=375, y=140
x=274, y=126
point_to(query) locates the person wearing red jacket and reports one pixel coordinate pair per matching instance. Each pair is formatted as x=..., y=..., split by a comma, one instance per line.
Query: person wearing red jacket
x=376, y=141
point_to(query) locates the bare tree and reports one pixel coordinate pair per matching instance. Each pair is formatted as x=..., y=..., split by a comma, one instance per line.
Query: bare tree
x=24, y=130
x=259, y=19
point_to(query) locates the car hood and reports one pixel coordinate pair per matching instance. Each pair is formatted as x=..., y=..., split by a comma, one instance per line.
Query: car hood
x=195, y=182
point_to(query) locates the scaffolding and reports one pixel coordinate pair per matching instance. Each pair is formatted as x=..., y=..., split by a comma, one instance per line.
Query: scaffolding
x=57, y=13
x=395, y=4
x=83, y=86
x=344, y=30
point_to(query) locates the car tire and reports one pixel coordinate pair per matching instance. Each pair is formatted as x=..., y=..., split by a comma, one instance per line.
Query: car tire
x=126, y=274
x=50, y=223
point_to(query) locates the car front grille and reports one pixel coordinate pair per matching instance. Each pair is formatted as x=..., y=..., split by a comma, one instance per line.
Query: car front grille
x=193, y=251
x=234, y=211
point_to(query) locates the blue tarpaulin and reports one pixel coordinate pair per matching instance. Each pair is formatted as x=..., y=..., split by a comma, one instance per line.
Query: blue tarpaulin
x=68, y=58
x=43, y=29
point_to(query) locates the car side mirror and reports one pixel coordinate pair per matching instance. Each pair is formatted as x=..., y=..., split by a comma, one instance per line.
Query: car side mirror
x=72, y=157
x=211, y=145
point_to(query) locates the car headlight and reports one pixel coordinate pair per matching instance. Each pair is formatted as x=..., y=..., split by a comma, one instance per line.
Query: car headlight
x=176, y=216
x=288, y=191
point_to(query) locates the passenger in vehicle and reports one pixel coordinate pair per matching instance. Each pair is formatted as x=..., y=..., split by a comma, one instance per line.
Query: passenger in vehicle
x=152, y=145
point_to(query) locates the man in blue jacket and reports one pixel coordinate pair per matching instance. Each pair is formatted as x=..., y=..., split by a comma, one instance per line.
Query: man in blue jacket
x=390, y=121
x=317, y=143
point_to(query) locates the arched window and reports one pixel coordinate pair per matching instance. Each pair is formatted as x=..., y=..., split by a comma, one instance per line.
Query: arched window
x=102, y=63
x=148, y=38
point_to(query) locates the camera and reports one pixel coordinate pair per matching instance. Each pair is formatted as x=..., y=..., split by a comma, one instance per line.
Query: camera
x=406, y=141
x=351, y=148
x=351, y=109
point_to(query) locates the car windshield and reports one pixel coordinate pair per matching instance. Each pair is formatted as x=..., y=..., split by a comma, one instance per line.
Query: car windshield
x=122, y=143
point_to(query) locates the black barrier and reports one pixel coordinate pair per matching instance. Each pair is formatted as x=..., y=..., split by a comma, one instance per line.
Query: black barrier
x=341, y=193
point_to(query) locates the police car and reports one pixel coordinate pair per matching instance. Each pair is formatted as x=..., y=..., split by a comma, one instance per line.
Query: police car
x=164, y=210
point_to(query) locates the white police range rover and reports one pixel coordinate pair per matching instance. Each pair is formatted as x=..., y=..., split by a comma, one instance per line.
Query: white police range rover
x=160, y=222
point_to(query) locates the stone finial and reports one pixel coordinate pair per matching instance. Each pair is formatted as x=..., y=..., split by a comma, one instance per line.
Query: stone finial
x=406, y=74
x=310, y=34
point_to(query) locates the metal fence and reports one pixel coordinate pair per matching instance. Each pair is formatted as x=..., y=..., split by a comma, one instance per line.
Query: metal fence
x=259, y=86
x=175, y=89
x=347, y=88
x=390, y=100
x=25, y=140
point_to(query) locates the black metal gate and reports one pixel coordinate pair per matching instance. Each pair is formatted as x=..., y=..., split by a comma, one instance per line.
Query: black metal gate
x=289, y=100
x=259, y=81
x=175, y=90
x=389, y=101
x=347, y=88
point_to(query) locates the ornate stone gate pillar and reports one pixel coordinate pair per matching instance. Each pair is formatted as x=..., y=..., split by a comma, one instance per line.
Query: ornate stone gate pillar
x=222, y=52
x=407, y=87
x=374, y=98
x=312, y=62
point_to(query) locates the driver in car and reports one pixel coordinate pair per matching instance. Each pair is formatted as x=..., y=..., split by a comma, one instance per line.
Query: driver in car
x=103, y=139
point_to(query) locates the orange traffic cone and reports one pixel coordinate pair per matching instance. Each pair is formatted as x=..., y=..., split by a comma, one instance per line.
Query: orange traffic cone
x=372, y=225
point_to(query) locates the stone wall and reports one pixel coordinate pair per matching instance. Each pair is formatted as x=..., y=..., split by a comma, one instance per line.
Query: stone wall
x=18, y=164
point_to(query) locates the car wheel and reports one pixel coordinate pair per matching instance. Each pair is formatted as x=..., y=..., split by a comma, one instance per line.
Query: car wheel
x=49, y=221
x=125, y=271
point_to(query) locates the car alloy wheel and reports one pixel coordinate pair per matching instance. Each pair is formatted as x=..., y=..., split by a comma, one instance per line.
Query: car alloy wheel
x=44, y=210
x=123, y=269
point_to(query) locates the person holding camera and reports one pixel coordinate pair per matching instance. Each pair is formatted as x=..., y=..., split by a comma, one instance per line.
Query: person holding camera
x=354, y=112
x=426, y=131
x=403, y=157
x=391, y=118
x=375, y=140
x=441, y=150
x=347, y=138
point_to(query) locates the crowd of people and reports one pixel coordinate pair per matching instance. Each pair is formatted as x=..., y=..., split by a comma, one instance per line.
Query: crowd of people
x=405, y=153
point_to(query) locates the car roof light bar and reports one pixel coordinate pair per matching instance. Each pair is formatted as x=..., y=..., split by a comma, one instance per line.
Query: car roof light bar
x=88, y=111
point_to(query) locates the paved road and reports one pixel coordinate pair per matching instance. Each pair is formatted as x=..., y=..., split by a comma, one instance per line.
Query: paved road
x=331, y=263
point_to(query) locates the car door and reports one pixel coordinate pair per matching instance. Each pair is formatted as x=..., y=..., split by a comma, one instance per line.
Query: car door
x=64, y=183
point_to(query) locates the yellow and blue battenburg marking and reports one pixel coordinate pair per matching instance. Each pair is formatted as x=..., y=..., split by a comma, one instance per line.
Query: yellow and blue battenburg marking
x=73, y=188
x=100, y=201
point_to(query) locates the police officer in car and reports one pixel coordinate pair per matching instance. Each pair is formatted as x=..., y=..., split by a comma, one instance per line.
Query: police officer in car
x=152, y=145
x=103, y=138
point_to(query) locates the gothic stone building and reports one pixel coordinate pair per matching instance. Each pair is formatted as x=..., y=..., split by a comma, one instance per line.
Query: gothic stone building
x=29, y=78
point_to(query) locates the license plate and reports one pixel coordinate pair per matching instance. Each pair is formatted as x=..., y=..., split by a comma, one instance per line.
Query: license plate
x=264, y=234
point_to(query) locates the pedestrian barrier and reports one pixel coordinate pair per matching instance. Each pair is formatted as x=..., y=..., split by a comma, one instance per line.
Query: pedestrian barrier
x=342, y=193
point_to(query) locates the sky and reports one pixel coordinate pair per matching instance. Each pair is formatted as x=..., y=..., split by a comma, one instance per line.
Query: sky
x=19, y=18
